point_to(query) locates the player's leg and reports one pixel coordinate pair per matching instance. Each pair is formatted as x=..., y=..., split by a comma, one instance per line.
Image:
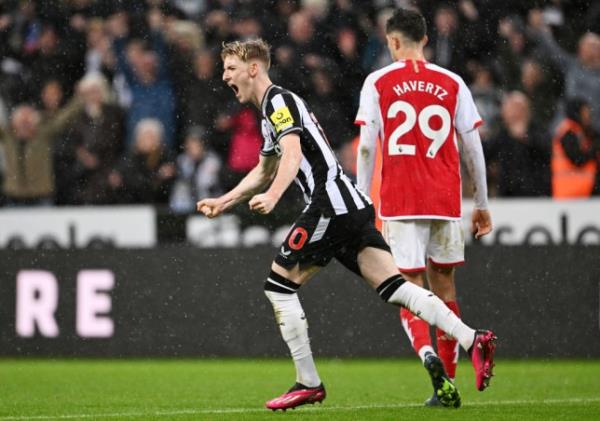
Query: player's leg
x=281, y=289
x=379, y=270
x=295, y=264
x=408, y=242
x=442, y=285
x=445, y=251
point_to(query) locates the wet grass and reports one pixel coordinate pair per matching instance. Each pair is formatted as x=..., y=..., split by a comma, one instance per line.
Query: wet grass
x=228, y=389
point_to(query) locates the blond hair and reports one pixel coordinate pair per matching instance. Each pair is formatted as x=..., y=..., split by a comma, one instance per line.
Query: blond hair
x=254, y=49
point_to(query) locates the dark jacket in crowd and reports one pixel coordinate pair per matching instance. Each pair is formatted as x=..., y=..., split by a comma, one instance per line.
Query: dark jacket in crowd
x=523, y=165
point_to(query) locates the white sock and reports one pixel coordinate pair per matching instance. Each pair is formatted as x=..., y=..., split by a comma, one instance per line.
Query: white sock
x=424, y=351
x=429, y=307
x=294, y=330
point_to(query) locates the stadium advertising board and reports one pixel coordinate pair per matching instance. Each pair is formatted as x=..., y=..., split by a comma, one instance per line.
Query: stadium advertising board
x=516, y=222
x=541, y=222
x=186, y=301
x=78, y=227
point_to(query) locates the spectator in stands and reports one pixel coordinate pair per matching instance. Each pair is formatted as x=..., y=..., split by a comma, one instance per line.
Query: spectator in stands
x=300, y=53
x=348, y=59
x=512, y=49
x=574, y=153
x=147, y=172
x=146, y=71
x=185, y=40
x=445, y=46
x=243, y=146
x=276, y=18
x=581, y=71
x=519, y=155
x=94, y=142
x=51, y=98
x=29, y=174
x=316, y=43
x=328, y=109
x=246, y=25
x=487, y=97
x=192, y=9
x=56, y=57
x=539, y=90
x=204, y=93
x=376, y=54
x=217, y=26
x=99, y=56
x=198, y=171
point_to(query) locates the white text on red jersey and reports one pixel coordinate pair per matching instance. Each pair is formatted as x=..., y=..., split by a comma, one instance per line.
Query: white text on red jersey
x=420, y=86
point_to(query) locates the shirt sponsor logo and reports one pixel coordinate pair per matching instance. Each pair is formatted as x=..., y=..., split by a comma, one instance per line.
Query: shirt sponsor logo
x=282, y=119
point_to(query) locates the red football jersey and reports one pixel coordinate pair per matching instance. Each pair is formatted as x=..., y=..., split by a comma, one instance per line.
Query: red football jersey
x=418, y=108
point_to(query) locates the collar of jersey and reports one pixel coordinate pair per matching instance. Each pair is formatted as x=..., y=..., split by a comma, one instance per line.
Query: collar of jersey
x=262, y=102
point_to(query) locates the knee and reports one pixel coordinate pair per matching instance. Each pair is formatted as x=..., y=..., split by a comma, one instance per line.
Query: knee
x=279, y=284
x=443, y=287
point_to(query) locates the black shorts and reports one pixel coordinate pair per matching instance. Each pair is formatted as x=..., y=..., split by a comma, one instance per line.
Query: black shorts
x=315, y=239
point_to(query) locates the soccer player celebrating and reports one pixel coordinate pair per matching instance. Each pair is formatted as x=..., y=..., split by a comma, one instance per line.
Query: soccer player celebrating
x=338, y=221
x=417, y=109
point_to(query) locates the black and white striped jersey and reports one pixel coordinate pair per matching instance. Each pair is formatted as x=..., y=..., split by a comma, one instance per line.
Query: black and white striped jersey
x=321, y=178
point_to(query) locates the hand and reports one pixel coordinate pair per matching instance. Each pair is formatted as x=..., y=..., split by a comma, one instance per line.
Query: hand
x=5, y=21
x=117, y=25
x=263, y=203
x=167, y=171
x=115, y=180
x=87, y=159
x=469, y=10
x=536, y=21
x=518, y=130
x=481, y=223
x=155, y=19
x=210, y=207
x=78, y=22
x=505, y=28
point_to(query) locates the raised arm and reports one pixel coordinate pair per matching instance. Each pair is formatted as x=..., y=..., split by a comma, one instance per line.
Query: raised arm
x=256, y=180
x=542, y=34
x=63, y=118
x=118, y=29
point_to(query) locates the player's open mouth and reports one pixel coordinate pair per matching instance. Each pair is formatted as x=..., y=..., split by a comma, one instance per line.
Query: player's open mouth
x=235, y=89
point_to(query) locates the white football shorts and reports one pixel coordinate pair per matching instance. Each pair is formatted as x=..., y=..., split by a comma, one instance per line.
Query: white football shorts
x=414, y=241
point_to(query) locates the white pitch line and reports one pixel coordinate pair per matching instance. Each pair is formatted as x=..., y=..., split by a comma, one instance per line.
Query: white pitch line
x=225, y=411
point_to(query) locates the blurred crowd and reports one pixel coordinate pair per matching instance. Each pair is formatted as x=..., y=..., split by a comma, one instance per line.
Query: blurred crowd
x=114, y=101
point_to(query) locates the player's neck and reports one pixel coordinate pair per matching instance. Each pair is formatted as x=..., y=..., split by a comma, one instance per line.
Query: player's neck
x=260, y=90
x=409, y=54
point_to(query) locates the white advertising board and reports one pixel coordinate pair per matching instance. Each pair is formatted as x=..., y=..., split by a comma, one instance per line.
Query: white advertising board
x=540, y=221
x=78, y=227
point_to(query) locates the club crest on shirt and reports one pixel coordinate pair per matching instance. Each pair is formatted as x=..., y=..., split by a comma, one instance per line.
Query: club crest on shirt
x=282, y=119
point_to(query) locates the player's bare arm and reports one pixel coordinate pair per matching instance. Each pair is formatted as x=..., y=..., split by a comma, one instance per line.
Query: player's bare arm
x=256, y=180
x=288, y=169
x=481, y=220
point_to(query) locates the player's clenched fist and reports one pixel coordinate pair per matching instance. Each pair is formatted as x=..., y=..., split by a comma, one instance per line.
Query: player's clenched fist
x=263, y=203
x=209, y=207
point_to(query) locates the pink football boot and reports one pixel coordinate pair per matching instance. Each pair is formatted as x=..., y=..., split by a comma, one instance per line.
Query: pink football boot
x=296, y=396
x=482, y=357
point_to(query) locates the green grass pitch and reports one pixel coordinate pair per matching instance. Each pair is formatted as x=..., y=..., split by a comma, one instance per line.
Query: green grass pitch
x=231, y=389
